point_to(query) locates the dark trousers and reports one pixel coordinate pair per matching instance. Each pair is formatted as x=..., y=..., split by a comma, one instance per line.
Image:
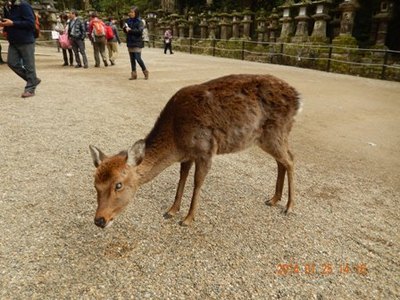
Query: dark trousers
x=21, y=59
x=70, y=55
x=78, y=46
x=166, y=47
x=136, y=57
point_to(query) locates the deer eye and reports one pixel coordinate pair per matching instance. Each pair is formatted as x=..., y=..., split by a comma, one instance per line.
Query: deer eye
x=118, y=186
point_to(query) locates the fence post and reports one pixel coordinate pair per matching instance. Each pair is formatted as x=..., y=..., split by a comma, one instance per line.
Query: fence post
x=281, y=54
x=213, y=47
x=190, y=45
x=243, y=49
x=385, y=60
x=328, y=65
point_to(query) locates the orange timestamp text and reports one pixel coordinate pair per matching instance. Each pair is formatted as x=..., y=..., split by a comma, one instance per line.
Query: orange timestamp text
x=285, y=269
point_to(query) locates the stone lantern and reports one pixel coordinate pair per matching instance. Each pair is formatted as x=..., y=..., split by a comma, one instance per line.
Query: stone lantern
x=381, y=20
x=162, y=26
x=302, y=19
x=182, y=25
x=191, y=21
x=261, y=27
x=225, y=25
x=212, y=26
x=287, y=21
x=47, y=14
x=174, y=23
x=236, y=20
x=273, y=26
x=151, y=19
x=160, y=13
x=321, y=17
x=203, y=26
x=348, y=9
x=247, y=20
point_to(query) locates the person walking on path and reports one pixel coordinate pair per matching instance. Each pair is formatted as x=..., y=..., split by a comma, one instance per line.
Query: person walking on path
x=133, y=28
x=62, y=28
x=77, y=33
x=112, y=44
x=97, y=35
x=19, y=24
x=168, y=41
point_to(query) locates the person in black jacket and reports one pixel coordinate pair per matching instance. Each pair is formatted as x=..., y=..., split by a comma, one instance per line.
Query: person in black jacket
x=77, y=34
x=133, y=28
x=19, y=25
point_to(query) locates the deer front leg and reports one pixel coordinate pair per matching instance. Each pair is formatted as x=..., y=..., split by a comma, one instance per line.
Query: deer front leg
x=202, y=168
x=290, y=203
x=185, y=168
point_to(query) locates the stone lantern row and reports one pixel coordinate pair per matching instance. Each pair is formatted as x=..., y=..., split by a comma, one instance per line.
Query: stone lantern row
x=295, y=21
x=306, y=11
x=235, y=25
x=238, y=25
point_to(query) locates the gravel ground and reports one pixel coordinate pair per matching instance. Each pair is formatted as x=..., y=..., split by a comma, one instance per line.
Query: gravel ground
x=342, y=241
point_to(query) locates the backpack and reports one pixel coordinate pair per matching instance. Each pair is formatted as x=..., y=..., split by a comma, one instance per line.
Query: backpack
x=109, y=32
x=36, y=32
x=98, y=29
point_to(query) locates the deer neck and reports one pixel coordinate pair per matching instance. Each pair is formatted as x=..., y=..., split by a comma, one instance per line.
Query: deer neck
x=154, y=163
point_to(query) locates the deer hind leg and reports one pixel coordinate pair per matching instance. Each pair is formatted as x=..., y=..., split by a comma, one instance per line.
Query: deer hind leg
x=202, y=168
x=280, y=181
x=185, y=168
x=284, y=159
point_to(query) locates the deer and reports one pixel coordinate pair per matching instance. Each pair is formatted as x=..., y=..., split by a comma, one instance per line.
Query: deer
x=221, y=116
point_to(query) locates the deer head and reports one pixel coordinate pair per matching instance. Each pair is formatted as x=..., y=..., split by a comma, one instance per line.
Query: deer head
x=116, y=181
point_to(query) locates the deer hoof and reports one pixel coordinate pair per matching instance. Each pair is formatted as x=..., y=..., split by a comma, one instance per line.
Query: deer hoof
x=288, y=211
x=272, y=201
x=185, y=223
x=168, y=215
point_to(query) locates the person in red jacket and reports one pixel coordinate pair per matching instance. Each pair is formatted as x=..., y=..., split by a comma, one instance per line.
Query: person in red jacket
x=97, y=35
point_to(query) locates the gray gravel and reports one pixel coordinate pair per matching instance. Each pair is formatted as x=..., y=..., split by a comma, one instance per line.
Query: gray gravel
x=346, y=144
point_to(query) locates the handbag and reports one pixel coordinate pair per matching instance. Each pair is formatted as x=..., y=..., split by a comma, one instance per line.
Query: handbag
x=64, y=41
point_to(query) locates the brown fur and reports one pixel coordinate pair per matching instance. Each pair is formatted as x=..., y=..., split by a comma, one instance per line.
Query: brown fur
x=224, y=115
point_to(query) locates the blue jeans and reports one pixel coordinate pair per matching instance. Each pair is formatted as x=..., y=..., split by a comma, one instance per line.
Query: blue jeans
x=21, y=59
x=136, y=57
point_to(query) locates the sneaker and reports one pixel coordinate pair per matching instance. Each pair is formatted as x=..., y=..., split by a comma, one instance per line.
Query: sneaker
x=28, y=94
x=65, y=64
x=38, y=81
x=85, y=67
x=78, y=66
x=112, y=63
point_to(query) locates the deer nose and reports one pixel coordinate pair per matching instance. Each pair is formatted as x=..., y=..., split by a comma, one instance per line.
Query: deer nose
x=101, y=222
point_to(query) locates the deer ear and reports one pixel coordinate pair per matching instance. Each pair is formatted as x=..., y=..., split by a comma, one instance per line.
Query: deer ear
x=97, y=155
x=136, y=153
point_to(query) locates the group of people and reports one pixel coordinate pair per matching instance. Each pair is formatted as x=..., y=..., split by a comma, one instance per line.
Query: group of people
x=76, y=30
x=18, y=25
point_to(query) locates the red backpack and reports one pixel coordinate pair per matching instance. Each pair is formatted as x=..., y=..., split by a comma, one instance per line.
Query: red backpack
x=98, y=28
x=109, y=33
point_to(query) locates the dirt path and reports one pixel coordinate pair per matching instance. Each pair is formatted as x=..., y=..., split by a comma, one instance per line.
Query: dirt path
x=342, y=242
